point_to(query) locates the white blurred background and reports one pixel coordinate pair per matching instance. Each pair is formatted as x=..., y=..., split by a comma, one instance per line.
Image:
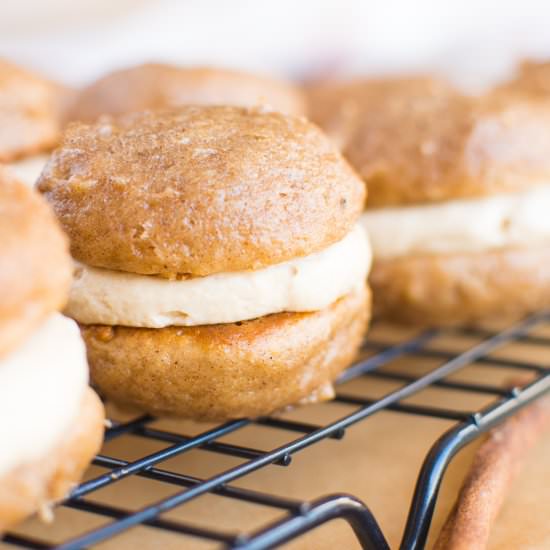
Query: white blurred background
x=472, y=41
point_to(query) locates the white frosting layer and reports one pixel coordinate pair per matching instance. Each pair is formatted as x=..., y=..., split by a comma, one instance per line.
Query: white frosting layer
x=469, y=225
x=41, y=388
x=304, y=284
x=28, y=170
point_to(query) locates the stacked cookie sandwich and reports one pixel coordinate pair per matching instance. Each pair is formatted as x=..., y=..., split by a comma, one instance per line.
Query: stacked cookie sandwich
x=52, y=423
x=220, y=266
x=458, y=195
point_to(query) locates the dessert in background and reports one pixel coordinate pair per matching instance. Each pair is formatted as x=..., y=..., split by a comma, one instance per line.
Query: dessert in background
x=51, y=421
x=458, y=196
x=221, y=271
x=157, y=86
x=531, y=77
x=30, y=115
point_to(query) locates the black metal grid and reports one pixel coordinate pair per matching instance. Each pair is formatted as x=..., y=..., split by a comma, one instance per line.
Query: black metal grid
x=304, y=516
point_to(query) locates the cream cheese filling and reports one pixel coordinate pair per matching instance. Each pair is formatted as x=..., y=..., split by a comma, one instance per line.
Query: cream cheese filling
x=461, y=226
x=42, y=384
x=28, y=170
x=309, y=283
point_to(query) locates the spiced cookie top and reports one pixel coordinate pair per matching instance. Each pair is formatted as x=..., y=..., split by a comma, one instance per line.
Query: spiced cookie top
x=420, y=140
x=200, y=190
x=30, y=112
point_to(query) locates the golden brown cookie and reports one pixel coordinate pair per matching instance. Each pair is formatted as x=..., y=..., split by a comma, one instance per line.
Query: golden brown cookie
x=200, y=191
x=30, y=112
x=35, y=266
x=31, y=486
x=156, y=86
x=462, y=288
x=228, y=371
x=419, y=140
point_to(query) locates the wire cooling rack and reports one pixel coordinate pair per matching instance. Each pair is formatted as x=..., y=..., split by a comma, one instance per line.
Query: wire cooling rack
x=378, y=360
